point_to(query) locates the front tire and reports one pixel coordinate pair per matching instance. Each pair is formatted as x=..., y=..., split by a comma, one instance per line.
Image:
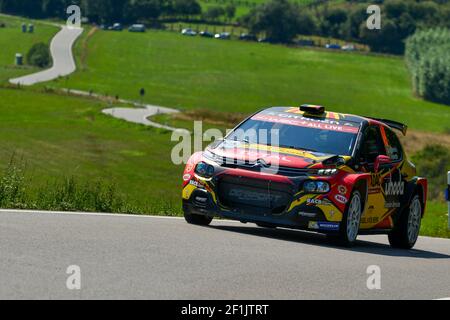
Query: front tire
x=197, y=219
x=406, y=232
x=349, y=227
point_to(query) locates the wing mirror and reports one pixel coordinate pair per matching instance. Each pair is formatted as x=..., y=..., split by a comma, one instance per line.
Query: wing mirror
x=380, y=160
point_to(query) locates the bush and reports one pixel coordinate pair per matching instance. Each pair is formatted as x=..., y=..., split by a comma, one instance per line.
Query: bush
x=433, y=162
x=39, y=55
x=428, y=58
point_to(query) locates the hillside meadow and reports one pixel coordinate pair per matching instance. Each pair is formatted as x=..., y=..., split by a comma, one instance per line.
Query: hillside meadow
x=233, y=76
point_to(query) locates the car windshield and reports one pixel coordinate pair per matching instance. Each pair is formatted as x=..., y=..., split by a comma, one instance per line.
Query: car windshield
x=320, y=136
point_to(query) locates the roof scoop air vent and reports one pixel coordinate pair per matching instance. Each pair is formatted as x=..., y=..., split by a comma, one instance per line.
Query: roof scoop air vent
x=312, y=109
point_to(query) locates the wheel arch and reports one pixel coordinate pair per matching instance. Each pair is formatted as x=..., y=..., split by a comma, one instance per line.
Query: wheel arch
x=416, y=186
x=421, y=188
x=361, y=185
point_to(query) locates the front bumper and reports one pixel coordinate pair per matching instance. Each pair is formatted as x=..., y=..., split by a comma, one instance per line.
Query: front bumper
x=319, y=215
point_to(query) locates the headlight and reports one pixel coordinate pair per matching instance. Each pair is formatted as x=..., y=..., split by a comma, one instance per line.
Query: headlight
x=204, y=170
x=316, y=186
x=327, y=172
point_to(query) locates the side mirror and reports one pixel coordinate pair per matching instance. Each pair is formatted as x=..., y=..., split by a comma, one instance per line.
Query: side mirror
x=380, y=160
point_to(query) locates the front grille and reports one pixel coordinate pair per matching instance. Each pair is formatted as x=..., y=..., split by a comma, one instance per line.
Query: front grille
x=254, y=195
x=281, y=170
x=253, y=166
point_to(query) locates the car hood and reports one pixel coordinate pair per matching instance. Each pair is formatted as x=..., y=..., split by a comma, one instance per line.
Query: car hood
x=231, y=151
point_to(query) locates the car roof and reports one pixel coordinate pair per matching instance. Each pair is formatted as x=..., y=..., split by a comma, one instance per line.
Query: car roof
x=329, y=115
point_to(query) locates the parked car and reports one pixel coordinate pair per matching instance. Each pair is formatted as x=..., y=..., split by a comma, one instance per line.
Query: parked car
x=333, y=46
x=266, y=40
x=223, y=36
x=349, y=47
x=306, y=43
x=116, y=27
x=188, y=32
x=328, y=172
x=137, y=28
x=248, y=37
x=206, y=34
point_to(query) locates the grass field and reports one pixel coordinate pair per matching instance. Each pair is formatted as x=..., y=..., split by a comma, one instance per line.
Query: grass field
x=13, y=41
x=186, y=72
x=58, y=136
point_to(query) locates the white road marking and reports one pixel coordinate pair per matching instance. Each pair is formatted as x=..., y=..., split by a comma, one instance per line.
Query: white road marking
x=100, y=214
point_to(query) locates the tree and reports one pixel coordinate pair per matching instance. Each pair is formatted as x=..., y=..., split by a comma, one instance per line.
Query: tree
x=142, y=9
x=55, y=8
x=186, y=7
x=279, y=19
x=39, y=55
x=230, y=11
x=333, y=22
x=213, y=13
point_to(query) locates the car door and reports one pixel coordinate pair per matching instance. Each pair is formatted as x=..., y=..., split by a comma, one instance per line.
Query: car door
x=372, y=145
x=393, y=183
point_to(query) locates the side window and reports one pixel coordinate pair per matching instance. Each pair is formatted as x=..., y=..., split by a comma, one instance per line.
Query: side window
x=394, y=149
x=372, y=145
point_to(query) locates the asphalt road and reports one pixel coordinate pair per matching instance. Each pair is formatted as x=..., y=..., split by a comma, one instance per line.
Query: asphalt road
x=132, y=257
x=63, y=62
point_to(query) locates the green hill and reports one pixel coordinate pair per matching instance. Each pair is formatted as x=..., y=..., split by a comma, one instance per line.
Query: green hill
x=230, y=76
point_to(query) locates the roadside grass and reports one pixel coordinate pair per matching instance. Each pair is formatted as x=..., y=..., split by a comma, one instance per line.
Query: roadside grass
x=13, y=41
x=234, y=76
x=435, y=222
x=58, y=137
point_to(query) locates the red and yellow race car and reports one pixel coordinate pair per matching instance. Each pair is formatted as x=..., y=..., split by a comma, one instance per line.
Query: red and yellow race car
x=306, y=168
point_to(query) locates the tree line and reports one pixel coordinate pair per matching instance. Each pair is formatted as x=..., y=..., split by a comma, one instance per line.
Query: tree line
x=279, y=20
x=282, y=20
x=428, y=59
x=104, y=11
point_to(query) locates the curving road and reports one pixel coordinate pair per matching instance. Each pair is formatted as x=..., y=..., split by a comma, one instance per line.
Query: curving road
x=63, y=62
x=142, y=257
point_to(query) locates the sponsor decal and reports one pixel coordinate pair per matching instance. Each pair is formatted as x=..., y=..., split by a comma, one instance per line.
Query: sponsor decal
x=329, y=226
x=189, y=167
x=187, y=177
x=318, y=225
x=307, y=214
x=332, y=213
x=375, y=179
x=340, y=198
x=392, y=204
x=369, y=219
x=374, y=190
x=313, y=225
x=196, y=184
x=394, y=188
x=322, y=202
x=342, y=189
x=306, y=122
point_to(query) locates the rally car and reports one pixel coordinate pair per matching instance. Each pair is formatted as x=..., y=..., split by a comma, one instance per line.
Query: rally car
x=306, y=168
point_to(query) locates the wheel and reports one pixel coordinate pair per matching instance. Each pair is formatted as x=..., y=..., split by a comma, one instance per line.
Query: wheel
x=406, y=232
x=197, y=219
x=349, y=228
